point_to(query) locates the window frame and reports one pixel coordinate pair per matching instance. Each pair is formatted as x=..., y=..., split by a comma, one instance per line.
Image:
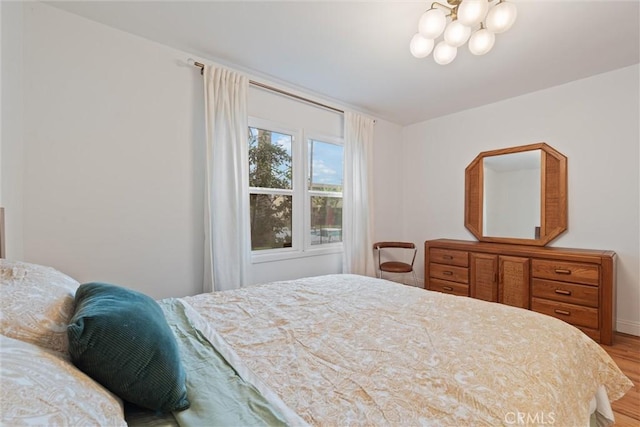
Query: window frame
x=301, y=210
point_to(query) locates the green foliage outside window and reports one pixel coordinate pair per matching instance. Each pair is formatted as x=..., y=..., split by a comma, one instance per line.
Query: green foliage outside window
x=270, y=166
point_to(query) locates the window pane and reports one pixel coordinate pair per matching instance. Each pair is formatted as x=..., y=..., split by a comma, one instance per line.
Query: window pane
x=326, y=220
x=325, y=166
x=270, y=221
x=269, y=159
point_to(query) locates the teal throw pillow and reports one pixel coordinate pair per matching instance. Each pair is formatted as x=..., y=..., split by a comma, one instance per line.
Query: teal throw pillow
x=121, y=338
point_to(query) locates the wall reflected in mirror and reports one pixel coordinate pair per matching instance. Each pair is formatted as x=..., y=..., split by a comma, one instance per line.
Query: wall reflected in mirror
x=512, y=195
x=517, y=195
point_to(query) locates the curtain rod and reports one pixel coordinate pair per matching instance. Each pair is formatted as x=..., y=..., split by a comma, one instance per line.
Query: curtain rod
x=280, y=91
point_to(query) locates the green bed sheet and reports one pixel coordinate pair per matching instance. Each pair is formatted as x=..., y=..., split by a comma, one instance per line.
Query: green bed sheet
x=218, y=395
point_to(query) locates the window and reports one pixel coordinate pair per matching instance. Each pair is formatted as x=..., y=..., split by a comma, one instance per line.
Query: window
x=295, y=191
x=325, y=191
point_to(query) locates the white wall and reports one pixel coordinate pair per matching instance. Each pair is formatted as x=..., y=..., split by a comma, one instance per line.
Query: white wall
x=594, y=122
x=114, y=161
x=112, y=155
x=11, y=129
x=388, y=163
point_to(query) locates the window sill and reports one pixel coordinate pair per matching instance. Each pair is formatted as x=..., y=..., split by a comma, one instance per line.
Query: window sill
x=287, y=253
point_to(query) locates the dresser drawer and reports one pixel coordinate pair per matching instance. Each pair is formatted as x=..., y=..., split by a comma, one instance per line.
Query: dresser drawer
x=449, y=272
x=448, y=287
x=450, y=257
x=565, y=292
x=591, y=333
x=588, y=274
x=575, y=314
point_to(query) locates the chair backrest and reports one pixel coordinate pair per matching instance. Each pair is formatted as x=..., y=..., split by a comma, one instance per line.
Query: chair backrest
x=395, y=245
x=404, y=245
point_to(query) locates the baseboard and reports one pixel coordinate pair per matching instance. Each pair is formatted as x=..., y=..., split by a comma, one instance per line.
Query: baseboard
x=628, y=327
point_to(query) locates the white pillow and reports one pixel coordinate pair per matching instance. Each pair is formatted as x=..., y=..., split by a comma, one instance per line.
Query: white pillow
x=41, y=387
x=36, y=303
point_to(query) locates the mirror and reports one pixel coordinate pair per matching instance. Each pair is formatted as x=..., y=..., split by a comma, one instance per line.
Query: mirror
x=517, y=195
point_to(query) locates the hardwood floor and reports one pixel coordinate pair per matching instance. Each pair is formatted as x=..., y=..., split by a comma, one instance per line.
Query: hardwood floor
x=626, y=353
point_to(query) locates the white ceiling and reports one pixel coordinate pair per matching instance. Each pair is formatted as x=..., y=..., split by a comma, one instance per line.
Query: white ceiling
x=358, y=52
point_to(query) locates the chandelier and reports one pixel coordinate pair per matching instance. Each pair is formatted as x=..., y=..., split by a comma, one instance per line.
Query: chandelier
x=466, y=16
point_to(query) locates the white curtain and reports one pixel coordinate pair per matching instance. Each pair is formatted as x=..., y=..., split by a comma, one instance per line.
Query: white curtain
x=357, y=213
x=227, y=241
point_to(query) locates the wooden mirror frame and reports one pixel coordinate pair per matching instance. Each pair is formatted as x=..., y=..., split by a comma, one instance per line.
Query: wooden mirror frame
x=553, y=194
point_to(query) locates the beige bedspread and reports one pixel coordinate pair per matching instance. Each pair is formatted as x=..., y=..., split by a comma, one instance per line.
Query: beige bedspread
x=351, y=350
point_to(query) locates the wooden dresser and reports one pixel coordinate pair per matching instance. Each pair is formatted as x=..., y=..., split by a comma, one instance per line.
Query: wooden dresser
x=575, y=285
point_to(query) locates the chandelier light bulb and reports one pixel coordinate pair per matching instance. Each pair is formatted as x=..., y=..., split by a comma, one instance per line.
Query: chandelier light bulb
x=432, y=23
x=420, y=47
x=481, y=41
x=444, y=53
x=472, y=12
x=501, y=17
x=456, y=34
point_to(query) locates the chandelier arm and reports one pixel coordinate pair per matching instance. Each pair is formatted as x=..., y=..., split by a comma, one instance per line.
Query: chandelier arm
x=435, y=3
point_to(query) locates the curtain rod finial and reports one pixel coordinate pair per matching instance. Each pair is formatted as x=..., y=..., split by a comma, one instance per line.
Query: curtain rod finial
x=194, y=63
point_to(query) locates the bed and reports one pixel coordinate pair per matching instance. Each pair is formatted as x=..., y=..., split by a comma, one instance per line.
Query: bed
x=327, y=351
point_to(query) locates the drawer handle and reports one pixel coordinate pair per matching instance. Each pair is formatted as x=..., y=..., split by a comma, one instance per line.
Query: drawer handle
x=448, y=257
x=564, y=312
x=448, y=273
x=447, y=288
x=563, y=292
x=562, y=271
